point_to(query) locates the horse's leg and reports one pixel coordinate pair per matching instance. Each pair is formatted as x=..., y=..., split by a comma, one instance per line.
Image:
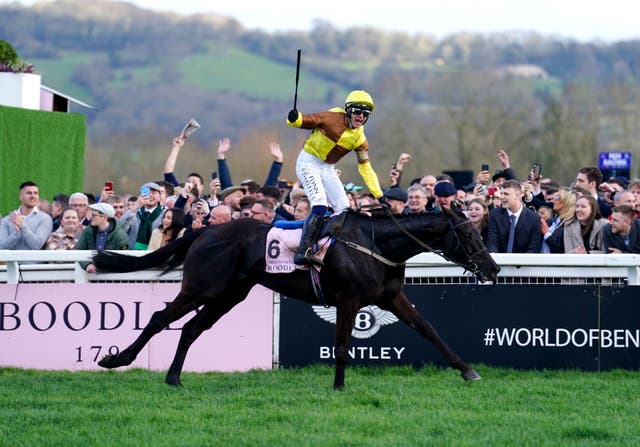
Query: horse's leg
x=405, y=311
x=175, y=310
x=205, y=318
x=346, y=318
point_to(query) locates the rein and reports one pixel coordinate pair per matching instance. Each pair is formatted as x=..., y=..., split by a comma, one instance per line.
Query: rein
x=371, y=253
x=427, y=247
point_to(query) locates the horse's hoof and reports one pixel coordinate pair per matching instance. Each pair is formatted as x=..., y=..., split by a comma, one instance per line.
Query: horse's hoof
x=112, y=361
x=107, y=362
x=470, y=375
x=173, y=381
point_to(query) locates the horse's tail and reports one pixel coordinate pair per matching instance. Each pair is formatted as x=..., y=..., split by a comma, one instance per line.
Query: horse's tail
x=167, y=257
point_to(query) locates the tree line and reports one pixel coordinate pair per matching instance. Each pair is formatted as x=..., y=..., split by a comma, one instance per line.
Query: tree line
x=447, y=101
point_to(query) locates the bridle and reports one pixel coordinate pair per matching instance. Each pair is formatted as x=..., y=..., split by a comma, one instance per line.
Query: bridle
x=473, y=268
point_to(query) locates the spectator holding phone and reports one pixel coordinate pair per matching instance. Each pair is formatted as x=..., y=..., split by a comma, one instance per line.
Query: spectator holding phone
x=145, y=215
x=395, y=174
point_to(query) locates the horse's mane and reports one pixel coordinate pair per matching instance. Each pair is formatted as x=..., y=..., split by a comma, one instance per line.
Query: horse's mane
x=379, y=213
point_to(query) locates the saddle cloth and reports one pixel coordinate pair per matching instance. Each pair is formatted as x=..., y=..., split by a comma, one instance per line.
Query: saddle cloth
x=282, y=245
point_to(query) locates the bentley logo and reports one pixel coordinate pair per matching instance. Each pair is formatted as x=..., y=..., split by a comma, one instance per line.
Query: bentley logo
x=368, y=321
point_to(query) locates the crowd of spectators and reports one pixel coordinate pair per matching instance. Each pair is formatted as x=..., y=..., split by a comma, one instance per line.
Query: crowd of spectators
x=536, y=215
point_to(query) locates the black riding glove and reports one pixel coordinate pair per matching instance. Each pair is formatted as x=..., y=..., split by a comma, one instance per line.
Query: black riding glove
x=293, y=116
x=382, y=200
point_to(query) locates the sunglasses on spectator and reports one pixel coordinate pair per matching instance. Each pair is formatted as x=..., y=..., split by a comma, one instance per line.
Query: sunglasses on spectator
x=359, y=111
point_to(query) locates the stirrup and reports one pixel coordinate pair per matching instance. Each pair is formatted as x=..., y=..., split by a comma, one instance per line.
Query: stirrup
x=308, y=259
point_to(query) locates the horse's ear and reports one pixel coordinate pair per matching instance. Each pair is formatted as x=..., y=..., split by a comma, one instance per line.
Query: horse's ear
x=454, y=210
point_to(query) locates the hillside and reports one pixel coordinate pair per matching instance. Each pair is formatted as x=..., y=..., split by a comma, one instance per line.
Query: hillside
x=450, y=102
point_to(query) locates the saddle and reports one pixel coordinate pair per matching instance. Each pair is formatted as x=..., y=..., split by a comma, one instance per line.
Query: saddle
x=284, y=238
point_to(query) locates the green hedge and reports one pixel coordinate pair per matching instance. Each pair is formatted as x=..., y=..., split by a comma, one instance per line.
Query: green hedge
x=44, y=147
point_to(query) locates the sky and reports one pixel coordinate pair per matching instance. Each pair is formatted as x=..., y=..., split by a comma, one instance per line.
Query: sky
x=583, y=20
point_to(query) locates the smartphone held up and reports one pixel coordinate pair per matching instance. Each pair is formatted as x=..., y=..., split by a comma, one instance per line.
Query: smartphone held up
x=108, y=185
x=536, y=171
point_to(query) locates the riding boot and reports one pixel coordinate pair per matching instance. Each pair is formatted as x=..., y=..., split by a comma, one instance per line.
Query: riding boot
x=310, y=232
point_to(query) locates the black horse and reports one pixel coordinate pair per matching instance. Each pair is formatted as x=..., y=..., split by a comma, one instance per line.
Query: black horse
x=364, y=266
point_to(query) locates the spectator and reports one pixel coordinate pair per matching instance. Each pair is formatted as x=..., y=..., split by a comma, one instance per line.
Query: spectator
x=428, y=182
x=169, y=166
x=545, y=212
x=397, y=198
x=352, y=198
x=416, y=199
x=273, y=195
x=166, y=189
x=214, y=189
x=395, y=174
x=263, y=210
x=80, y=202
x=231, y=196
x=506, y=173
x=513, y=228
x=622, y=233
x=624, y=197
x=478, y=214
x=590, y=179
x=252, y=187
x=118, y=204
x=60, y=202
x=583, y=232
x=67, y=234
x=26, y=228
x=225, y=174
x=171, y=228
x=198, y=216
x=145, y=215
x=634, y=187
x=302, y=208
x=296, y=194
x=44, y=206
x=220, y=214
x=246, y=203
x=131, y=201
x=366, y=201
x=445, y=193
x=564, y=206
x=104, y=233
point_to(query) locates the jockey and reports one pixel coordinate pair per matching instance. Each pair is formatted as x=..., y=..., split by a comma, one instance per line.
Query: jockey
x=335, y=133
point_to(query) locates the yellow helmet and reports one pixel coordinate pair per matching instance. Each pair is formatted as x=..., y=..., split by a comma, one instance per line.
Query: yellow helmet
x=359, y=97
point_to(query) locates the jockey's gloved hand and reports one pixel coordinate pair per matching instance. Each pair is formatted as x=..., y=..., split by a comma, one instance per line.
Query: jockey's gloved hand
x=293, y=116
x=382, y=200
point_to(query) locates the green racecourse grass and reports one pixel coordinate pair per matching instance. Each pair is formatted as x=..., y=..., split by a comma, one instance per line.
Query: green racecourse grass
x=394, y=406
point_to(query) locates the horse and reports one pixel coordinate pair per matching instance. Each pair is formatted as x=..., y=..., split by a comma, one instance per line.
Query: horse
x=365, y=265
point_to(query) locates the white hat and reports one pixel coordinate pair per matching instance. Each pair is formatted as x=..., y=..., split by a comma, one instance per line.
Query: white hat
x=104, y=208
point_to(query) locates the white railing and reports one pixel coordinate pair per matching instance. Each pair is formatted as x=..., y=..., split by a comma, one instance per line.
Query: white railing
x=63, y=266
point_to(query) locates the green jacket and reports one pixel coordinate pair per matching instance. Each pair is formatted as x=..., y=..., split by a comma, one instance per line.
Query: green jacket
x=117, y=239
